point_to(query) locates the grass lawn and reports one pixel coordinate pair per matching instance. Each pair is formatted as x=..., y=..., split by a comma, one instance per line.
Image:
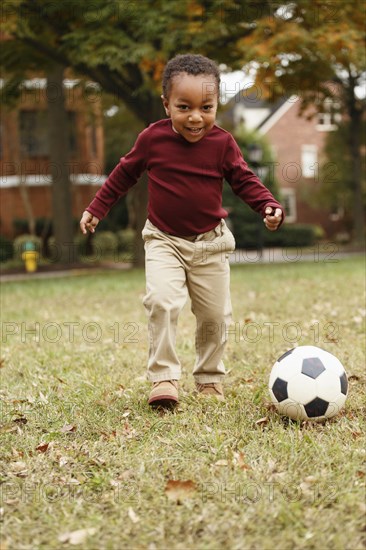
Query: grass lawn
x=86, y=463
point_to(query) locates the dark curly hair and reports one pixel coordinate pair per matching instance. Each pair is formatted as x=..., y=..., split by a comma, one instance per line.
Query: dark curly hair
x=193, y=64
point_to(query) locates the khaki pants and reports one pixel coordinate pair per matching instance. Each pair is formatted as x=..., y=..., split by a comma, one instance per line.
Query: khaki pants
x=176, y=267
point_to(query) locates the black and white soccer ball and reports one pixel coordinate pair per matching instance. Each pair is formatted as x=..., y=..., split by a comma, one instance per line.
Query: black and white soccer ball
x=308, y=383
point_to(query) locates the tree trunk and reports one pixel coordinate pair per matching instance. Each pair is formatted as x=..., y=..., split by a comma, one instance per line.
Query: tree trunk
x=59, y=158
x=355, y=114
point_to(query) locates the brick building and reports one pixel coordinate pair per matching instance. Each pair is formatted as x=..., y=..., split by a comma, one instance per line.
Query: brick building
x=25, y=180
x=297, y=144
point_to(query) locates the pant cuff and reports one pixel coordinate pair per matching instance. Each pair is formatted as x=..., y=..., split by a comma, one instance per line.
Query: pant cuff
x=207, y=379
x=163, y=376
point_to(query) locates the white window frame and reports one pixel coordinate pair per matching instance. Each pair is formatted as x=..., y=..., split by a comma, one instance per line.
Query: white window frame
x=309, y=161
x=289, y=201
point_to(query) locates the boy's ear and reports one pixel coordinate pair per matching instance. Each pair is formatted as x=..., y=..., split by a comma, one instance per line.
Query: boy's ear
x=166, y=104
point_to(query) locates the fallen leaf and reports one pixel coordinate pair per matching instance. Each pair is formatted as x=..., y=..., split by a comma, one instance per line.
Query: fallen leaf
x=108, y=436
x=68, y=428
x=353, y=377
x=262, y=421
x=19, y=469
x=127, y=474
x=2, y=363
x=43, y=398
x=177, y=490
x=77, y=537
x=241, y=462
x=133, y=516
x=42, y=447
x=8, y=428
x=221, y=462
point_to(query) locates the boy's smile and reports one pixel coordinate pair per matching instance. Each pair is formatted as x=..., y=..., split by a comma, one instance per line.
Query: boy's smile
x=192, y=105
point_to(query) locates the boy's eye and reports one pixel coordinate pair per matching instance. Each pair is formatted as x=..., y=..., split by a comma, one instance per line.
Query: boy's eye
x=183, y=107
x=208, y=107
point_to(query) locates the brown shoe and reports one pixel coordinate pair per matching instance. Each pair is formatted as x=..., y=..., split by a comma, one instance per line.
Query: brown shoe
x=212, y=388
x=164, y=394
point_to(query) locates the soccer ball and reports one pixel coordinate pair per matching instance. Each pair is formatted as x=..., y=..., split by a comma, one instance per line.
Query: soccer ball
x=308, y=383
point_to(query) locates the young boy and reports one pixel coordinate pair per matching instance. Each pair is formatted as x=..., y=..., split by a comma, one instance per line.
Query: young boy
x=187, y=242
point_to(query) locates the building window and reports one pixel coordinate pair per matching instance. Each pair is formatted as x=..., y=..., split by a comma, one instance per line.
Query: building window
x=34, y=139
x=309, y=161
x=288, y=197
x=329, y=117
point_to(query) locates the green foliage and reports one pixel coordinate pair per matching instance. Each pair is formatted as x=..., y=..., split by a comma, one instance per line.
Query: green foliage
x=6, y=249
x=252, y=235
x=336, y=171
x=122, y=45
x=105, y=243
x=125, y=240
x=43, y=226
x=247, y=226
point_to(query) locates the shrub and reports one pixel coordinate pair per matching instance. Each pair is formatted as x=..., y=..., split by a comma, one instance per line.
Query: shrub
x=105, y=243
x=252, y=235
x=6, y=249
x=126, y=239
x=22, y=242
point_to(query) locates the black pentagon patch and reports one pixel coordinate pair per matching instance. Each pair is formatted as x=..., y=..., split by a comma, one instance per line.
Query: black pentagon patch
x=316, y=407
x=285, y=355
x=279, y=389
x=312, y=366
x=344, y=383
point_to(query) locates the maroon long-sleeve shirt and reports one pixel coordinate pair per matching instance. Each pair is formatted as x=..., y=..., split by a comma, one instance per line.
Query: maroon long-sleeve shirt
x=185, y=180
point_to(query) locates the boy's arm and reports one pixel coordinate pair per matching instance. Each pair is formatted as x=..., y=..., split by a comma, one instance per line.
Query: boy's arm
x=246, y=184
x=121, y=179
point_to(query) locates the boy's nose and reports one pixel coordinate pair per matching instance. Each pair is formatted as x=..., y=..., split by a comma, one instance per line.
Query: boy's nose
x=195, y=117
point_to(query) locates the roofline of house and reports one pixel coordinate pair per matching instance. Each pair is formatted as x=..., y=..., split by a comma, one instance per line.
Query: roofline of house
x=276, y=115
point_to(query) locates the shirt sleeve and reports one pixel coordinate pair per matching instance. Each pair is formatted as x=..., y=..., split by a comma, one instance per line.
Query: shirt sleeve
x=122, y=178
x=245, y=183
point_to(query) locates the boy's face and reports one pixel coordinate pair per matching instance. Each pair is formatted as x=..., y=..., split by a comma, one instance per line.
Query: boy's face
x=192, y=105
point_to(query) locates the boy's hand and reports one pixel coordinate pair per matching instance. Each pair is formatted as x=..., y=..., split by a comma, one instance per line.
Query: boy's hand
x=272, y=219
x=88, y=221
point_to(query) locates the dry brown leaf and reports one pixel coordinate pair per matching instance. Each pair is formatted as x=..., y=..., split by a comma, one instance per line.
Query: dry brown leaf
x=2, y=363
x=262, y=421
x=77, y=537
x=177, y=490
x=108, y=436
x=241, y=462
x=42, y=447
x=68, y=428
